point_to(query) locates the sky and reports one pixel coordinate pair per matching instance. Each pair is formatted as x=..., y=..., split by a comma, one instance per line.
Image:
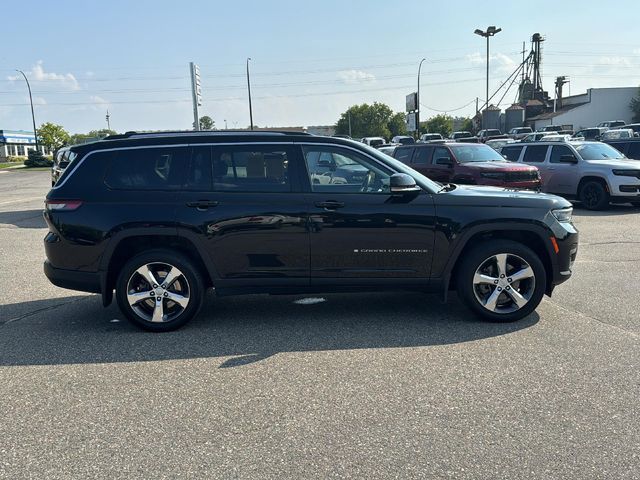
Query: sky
x=310, y=61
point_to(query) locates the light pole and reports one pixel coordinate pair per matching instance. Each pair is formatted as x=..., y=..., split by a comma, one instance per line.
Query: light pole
x=418, y=101
x=33, y=116
x=491, y=31
x=249, y=90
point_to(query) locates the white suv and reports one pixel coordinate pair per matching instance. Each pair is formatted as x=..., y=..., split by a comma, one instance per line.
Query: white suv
x=593, y=172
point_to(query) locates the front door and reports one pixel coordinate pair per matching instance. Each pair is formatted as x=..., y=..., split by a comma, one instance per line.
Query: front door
x=358, y=229
x=239, y=205
x=440, y=172
x=562, y=177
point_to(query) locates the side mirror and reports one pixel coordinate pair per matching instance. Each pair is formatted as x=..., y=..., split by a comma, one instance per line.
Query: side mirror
x=444, y=161
x=568, y=159
x=401, y=183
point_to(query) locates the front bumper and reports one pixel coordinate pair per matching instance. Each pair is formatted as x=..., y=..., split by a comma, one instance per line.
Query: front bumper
x=73, y=279
x=564, y=258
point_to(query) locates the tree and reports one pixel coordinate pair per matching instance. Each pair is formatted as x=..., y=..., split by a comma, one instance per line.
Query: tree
x=442, y=124
x=467, y=125
x=367, y=121
x=91, y=136
x=53, y=136
x=635, y=107
x=206, y=123
x=397, y=124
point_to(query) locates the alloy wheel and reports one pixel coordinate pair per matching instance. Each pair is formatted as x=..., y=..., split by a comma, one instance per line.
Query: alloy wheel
x=504, y=283
x=158, y=292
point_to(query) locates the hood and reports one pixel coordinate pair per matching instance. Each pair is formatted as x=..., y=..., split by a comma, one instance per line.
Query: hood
x=498, y=166
x=615, y=163
x=481, y=196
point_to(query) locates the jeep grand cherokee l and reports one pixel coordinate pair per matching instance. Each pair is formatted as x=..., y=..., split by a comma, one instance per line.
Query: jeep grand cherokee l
x=160, y=218
x=473, y=164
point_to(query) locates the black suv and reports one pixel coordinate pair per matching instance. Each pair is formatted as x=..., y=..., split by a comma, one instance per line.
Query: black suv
x=159, y=218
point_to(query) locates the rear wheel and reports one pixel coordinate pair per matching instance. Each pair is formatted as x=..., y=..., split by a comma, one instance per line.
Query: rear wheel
x=159, y=290
x=593, y=195
x=501, y=281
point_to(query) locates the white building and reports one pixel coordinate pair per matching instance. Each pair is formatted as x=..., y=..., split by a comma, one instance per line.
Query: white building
x=589, y=109
x=17, y=143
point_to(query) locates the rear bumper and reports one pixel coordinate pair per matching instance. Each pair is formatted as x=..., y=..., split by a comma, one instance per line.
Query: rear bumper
x=73, y=279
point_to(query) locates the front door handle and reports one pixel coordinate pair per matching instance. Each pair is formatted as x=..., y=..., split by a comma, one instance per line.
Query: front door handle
x=330, y=205
x=202, y=204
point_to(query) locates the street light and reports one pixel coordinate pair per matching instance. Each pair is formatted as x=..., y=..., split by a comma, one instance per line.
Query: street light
x=249, y=90
x=491, y=31
x=418, y=100
x=33, y=117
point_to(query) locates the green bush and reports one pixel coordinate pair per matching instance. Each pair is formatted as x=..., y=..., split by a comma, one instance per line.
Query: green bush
x=37, y=159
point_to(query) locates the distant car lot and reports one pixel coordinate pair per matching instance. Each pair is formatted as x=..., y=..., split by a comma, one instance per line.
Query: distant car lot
x=373, y=385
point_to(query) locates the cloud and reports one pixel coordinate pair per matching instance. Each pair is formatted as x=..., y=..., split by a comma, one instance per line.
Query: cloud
x=614, y=61
x=352, y=77
x=38, y=74
x=95, y=99
x=500, y=61
x=38, y=100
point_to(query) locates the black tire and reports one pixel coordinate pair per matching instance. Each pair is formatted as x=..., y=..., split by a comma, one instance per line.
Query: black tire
x=477, y=257
x=593, y=195
x=189, y=286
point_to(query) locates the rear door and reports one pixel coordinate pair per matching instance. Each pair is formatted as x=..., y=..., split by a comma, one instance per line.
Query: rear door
x=242, y=205
x=536, y=155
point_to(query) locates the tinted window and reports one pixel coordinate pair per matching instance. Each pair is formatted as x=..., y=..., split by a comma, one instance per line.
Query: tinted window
x=200, y=174
x=634, y=150
x=423, y=155
x=511, y=153
x=251, y=169
x=403, y=154
x=440, y=152
x=338, y=170
x=557, y=151
x=146, y=168
x=535, y=154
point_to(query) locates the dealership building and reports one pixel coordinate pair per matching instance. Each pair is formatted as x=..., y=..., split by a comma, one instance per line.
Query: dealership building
x=17, y=143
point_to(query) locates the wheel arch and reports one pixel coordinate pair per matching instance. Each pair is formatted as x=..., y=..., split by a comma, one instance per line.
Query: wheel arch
x=593, y=177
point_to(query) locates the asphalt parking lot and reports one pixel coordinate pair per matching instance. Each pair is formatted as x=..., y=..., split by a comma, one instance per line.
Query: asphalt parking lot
x=376, y=385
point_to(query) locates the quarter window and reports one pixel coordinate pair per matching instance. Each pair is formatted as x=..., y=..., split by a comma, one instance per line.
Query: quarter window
x=146, y=168
x=535, y=154
x=338, y=170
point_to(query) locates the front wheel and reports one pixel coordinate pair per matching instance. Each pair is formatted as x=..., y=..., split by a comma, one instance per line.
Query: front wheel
x=159, y=290
x=501, y=281
x=593, y=195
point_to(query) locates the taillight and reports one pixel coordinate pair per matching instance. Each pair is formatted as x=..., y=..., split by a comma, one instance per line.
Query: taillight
x=62, y=205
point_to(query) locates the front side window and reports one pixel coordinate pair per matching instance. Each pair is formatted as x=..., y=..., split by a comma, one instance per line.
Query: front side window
x=146, y=168
x=337, y=170
x=535, y=154
x=557, y=151
x=257, y=168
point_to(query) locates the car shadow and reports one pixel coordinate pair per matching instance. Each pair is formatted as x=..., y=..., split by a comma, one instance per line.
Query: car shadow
x=23, y=218
x=238, y=330
x=612, y=210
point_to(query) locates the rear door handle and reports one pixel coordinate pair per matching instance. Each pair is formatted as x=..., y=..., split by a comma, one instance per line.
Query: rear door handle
x=330, y=205
x=202, y=204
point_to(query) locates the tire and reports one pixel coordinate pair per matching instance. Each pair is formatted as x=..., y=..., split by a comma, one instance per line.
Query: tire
x=593, y=195
x=496, y=302
x=134, y=287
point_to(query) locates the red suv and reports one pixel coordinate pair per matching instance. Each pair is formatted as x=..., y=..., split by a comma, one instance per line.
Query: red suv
x=468, y=163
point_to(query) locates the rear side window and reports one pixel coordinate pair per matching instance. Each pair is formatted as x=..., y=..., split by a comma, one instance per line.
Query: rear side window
x=441, y=152
x=403, y=154
x=557, y=151
x=251, y=169
x=146, y=168
x=535, y=154
x=423, y=155
x=511, y=153
x=634, y=150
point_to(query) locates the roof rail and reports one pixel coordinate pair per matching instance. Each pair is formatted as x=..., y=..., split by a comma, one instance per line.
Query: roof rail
x=132, y=134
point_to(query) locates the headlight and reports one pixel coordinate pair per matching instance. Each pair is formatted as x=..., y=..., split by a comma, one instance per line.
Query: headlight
x=627, y=173
x=563, y=215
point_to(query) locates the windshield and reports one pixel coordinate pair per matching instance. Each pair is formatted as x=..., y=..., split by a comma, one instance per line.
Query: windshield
x=476, y=153
x=598, y=151
x=402, y=168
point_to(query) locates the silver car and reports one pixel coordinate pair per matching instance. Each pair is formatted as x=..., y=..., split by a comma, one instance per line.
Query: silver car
x=593, y=172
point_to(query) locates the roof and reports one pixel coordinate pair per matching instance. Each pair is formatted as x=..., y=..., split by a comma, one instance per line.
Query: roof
x=547, y=115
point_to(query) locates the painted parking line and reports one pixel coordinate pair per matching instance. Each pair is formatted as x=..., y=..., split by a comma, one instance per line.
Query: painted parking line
x=22, y=200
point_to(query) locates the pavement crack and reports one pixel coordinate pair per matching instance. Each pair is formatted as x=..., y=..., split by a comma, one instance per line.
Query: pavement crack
x=44, y=309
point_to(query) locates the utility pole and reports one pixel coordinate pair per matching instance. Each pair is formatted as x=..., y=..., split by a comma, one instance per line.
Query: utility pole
x=33, y=116
x=249, y=90
x=107, y=117
x=349, y=113
x=491, y=31
x=418, y=102
x=195, y=93
x=225, y=123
